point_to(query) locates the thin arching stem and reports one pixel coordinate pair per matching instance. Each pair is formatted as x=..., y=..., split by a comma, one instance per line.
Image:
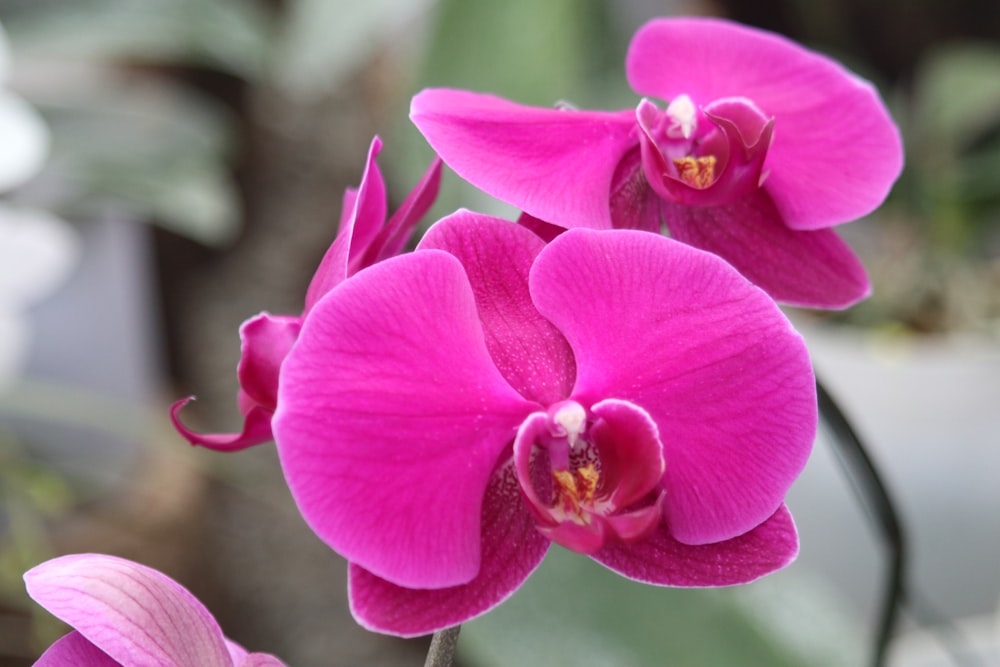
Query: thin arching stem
x=874, y=494
x=442, y=650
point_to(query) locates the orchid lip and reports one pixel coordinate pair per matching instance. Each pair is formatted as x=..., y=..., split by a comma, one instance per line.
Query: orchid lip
x=704, y=156
x=590, y=476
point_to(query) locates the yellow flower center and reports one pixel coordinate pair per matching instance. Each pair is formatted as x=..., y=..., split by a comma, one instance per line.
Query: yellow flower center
x=575, y=490
x=698, y=172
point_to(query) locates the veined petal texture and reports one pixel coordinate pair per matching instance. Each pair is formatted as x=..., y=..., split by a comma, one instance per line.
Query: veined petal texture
x=709, y=356
x=556, y=164
x=391, y=418
x=134, y=614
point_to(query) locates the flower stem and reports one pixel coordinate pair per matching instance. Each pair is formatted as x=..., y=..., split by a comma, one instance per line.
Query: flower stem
x=442, y=650
x=874, y=494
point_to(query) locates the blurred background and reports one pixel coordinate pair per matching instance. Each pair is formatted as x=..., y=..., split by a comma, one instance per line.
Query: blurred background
x=183, y=169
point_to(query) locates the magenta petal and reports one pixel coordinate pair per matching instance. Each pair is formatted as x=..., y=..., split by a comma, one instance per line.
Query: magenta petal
x=530, y=353
x=397, y=230
x=634, y=204
x=815, y=269
x=836, y=150
x=256, y=430
x=709, y=356
x=266, y=340
x=660, y=559
x=512, y=548
x=556, y=164
x=74, y=650
x=629, y=448
x=533, y=429
x=362, y=217
x=391, y=416
x=543, y=230
x=133, y=613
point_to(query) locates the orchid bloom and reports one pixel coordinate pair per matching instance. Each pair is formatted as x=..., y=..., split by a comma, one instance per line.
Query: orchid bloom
x=447, y=414
x=129, y=615
x=761, y=148
x=364, y=238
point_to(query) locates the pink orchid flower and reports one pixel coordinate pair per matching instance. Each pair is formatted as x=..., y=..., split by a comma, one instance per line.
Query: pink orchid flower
x=363, y=238
x=448, y=414
x=763, y=146
x=129, y=615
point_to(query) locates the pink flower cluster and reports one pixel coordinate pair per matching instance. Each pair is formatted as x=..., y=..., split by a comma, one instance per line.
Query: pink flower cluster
x=443, y=416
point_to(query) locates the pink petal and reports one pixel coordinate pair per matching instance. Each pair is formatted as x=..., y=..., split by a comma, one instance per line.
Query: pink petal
x=391, y=417
x=815, y=269
x=634, y=204
x=710, y=357
x=511, y=551
x=265, y=342
x=497, y=255
x=135, y=614
x=256, y=430
x=363, y=215
x=532, y=430
x=660, y=559
x=236, y=652
x=836, y=150
x=397, y=230
x=261, y=660
x=629, y=448
x=543, y=230
x=74, y=650
x=556, y=164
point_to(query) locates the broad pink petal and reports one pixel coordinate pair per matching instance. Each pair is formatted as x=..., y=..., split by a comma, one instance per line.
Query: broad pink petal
x=836, y=150
x=530, y=353
x=136, y=615
x=391, y=416
x=512, y=549
x=359, y=225
x=662, y=560
x=397, y=230
x=709, y=356
x=256, y=429
x=812, y=268
x=265, y=342
x=556, y=164
x=74, y=650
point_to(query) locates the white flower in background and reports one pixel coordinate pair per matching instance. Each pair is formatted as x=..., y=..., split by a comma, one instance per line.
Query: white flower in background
x=24, y=139
x=37, y=250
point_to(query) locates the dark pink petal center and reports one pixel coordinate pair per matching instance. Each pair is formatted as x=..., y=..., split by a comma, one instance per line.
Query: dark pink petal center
x=704, y=156
x=590, y=477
